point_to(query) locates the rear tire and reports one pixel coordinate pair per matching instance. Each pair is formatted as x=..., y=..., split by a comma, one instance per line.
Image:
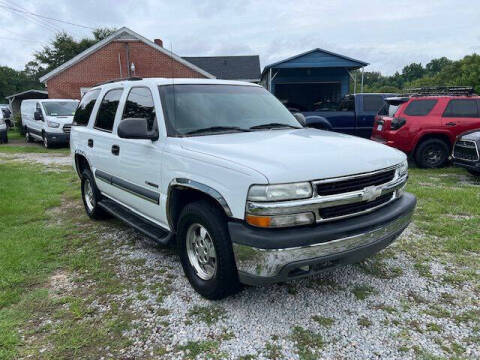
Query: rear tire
x=474, y=172
x=91, y=197
x=203, y=243
x=432, y=153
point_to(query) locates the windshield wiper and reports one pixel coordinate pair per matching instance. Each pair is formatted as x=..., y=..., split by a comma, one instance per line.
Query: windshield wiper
x=213, y=129
x=273, y=125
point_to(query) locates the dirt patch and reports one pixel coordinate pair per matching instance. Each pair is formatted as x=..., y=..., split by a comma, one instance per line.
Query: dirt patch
x=60, y=283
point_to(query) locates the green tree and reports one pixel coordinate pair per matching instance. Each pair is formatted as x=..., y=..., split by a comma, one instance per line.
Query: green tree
x=437, y=65
x=13, y=81
x=61, y=49
x=413, y=71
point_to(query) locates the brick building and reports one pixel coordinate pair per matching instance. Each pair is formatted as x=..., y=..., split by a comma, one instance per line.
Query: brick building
x=126, y=53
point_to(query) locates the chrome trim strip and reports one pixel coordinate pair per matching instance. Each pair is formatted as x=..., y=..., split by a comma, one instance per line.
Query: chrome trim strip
x=187, y=183
x=269, y=262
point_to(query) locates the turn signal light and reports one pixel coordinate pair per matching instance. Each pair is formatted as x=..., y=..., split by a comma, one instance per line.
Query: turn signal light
x=279, y=221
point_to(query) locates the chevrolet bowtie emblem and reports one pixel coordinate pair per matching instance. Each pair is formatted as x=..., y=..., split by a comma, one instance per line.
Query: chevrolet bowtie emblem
x=371, y=193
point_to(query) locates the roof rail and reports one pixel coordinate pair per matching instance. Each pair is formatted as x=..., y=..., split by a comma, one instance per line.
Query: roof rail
x=132, y=78
x=441, y=90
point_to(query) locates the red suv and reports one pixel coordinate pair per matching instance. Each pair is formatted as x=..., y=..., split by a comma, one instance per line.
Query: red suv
x=426, y=126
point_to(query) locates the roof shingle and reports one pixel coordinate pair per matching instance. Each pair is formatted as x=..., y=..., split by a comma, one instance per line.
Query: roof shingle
x=229, y=67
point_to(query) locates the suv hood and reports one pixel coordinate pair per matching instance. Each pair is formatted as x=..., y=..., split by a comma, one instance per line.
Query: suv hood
x=297, y=154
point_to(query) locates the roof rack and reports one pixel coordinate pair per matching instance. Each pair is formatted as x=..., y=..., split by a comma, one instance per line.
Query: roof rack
x=132, y=78
x=441, y=90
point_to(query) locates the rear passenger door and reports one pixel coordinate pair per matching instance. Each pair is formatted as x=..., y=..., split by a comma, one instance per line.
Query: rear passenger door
x=139, y=161
x=103, y=154
x=461, y=115
x=370, y=105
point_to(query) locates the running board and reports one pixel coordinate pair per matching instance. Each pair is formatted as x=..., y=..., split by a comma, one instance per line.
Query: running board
x=146, y=227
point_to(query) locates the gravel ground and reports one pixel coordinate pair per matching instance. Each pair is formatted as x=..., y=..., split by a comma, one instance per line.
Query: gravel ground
x=49, y=159
x=354, y=312
x=383, y=308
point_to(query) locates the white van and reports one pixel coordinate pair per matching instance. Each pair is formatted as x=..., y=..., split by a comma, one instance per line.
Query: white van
x=48, y=120
x=3, y=130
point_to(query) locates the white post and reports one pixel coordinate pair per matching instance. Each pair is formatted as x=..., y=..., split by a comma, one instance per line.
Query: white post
x=362, y=80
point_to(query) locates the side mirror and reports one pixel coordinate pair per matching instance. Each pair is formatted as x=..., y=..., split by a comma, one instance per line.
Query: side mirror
x=37, y=115
x=300, y=118
x=136, y=128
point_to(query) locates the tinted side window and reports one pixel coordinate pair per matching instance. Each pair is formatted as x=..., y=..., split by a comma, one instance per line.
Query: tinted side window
x=107, y=110
x=84, y=109
x=461, y=108
x=420, y=107
x=139, y=104
x=372, y=103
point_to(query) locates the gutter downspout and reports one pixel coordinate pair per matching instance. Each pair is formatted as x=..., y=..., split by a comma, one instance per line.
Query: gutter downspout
x=127, y=51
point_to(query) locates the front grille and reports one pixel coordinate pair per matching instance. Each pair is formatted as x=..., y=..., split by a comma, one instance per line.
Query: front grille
x=465, y=150
x=349, y=209
x=355, y=184
x=67, y=128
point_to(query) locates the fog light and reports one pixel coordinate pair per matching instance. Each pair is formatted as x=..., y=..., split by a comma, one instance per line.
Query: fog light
x=279, y=221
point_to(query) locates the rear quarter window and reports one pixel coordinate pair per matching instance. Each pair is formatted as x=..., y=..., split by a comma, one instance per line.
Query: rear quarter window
x=420, y=107
x=372, y=103
x=462, y=108
x=84, y=109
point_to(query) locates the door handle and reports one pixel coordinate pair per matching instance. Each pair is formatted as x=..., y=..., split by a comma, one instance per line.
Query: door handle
x=451, y=124
x=90, y=143
x=115, y=150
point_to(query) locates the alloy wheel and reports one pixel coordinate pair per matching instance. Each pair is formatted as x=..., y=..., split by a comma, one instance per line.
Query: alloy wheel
x=88, y=194
x=201, y=251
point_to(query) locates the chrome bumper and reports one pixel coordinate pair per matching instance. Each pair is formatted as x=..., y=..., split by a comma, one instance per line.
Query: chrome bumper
x=271, y=265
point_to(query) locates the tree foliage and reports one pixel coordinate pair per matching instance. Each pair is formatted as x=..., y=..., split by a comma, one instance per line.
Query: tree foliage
x=61, y=49
x=13, y=81
x=438, y=72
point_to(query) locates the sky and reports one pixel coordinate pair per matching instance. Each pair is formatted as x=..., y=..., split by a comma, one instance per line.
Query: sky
x=385, y=33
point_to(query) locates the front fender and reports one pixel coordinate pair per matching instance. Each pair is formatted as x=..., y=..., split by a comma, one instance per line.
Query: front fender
x=192, y=184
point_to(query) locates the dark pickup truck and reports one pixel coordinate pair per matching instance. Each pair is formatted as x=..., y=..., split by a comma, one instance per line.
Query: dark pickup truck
x=354, y=114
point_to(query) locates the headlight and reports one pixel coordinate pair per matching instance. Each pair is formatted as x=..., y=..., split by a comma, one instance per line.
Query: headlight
x=403, y=168
x=53, y=124
x=280, y=192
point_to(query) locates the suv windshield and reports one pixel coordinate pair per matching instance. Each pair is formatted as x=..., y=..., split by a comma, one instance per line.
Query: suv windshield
x=60, y=108
x=207, y=109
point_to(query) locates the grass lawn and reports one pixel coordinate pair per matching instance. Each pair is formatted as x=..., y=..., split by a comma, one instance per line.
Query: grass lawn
x=37, y=242
x=48, y=244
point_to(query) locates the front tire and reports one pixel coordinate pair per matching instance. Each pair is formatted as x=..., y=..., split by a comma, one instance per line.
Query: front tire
x=28, y=137
x=91, y=196
x=432, y=153
x=46, y=143
x=206, y=252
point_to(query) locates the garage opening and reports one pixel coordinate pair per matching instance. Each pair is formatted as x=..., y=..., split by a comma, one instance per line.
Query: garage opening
x=312, y=96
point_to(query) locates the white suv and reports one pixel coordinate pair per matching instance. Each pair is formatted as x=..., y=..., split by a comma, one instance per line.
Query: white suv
x=246, y=192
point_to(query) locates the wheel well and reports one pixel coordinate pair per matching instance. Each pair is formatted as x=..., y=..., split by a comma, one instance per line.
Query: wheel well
x=81, y=163
x=442, y=137
x=180, y=196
